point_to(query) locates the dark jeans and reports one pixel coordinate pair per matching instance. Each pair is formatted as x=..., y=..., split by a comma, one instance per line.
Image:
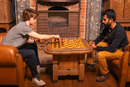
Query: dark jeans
x=29, y=52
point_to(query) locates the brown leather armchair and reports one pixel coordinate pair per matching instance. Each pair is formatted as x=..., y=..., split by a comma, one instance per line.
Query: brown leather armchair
x=122, y=67
x=11, y=65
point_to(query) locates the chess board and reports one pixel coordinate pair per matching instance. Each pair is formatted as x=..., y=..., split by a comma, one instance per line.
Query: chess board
x=69, y=45
x=66, y=43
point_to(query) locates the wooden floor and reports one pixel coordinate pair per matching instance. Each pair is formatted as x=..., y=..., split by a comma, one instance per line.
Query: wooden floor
x=72, y=81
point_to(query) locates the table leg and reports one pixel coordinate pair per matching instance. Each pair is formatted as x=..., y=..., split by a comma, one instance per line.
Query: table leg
x=55, y=68
x=81, y=67
x=55, y=72
x=81, y=72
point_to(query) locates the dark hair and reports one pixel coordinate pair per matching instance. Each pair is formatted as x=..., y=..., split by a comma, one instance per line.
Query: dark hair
x=29, y=13
x=110, y=14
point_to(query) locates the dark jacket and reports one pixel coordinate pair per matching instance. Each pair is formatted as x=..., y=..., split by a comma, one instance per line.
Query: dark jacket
x=116, y=39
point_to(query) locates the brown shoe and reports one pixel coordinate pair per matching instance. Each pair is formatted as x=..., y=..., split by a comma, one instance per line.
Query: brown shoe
x=90, y=68
x=103, y=78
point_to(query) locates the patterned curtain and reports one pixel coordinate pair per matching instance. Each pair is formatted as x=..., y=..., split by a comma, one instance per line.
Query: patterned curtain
x=20, y=5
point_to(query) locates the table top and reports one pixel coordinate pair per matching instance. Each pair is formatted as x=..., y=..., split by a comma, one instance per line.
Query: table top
x=68, y=46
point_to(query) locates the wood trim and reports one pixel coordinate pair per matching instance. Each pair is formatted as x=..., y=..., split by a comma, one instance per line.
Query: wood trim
x=58, y=0
x=58, y=11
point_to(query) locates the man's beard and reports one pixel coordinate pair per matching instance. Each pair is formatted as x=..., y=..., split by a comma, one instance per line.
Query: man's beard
x=107, y=25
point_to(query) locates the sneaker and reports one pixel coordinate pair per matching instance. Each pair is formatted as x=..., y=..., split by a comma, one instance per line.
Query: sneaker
x=37, y=80
x=103, y=78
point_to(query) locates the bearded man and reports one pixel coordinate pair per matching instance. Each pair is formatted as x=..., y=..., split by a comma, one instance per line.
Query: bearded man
x=110, y=44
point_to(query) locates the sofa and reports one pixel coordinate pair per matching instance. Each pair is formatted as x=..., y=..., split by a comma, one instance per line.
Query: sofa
x=121, y=68
x=12, y=67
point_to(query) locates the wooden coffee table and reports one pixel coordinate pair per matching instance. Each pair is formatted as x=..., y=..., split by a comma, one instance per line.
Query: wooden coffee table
x=68, y=57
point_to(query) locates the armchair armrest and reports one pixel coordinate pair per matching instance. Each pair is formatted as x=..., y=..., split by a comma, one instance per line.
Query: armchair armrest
x=124, y=67
x=8, y=55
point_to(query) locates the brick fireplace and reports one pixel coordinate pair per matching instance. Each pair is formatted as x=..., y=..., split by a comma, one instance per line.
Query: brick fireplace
x=58, y=17
x=61, y=17
x=65, y=17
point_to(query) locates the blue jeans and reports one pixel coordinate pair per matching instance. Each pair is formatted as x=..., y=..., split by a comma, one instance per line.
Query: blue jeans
x=29, y=52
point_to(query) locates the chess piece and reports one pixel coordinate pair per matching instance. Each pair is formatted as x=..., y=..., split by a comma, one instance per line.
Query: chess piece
x=62, y=43
x=41, y=41
x=54, y=43
x=58, y=43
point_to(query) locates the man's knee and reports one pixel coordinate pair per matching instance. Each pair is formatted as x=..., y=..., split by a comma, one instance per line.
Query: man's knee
x=32, y=53
x=100, y=56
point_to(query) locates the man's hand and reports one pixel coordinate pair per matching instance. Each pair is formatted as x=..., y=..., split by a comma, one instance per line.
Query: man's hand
x=93, y=45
